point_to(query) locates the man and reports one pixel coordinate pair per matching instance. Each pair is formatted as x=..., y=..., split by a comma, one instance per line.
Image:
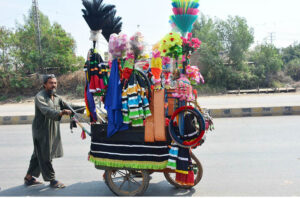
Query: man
x=49, y=108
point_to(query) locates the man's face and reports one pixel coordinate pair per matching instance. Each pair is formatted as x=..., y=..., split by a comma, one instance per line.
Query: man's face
x=51, y=84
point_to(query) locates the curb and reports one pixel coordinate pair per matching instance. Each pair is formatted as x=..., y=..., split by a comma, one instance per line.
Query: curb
x=254, y=112
x=215, y=113
x=18, y=120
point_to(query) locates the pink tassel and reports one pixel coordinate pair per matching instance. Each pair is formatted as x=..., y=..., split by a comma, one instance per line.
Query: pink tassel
x=193, y=11
x=178, y=11
x=83, y=135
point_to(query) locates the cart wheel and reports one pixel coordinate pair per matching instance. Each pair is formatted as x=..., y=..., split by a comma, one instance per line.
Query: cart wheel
x=198, y=170
x=126, y=183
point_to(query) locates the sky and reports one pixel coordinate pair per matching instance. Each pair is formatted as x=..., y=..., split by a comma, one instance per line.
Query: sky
x=277, y=17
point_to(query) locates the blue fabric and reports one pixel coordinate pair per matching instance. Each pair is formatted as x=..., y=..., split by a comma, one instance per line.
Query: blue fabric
x=113, y=102
x=91, y=103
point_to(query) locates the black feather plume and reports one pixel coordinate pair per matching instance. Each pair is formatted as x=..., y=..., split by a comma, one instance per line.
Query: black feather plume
x=113, y=25
x=96, y=13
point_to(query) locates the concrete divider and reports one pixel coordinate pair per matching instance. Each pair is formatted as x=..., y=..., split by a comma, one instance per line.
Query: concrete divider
x=215, y=113
x=255, y=112
x=16, y=120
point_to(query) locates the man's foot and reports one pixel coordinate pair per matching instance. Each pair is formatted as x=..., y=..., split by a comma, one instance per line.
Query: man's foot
x=56, y=184
x=31, y=182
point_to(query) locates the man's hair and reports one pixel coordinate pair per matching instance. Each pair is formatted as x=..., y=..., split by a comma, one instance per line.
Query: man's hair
x=47, y=77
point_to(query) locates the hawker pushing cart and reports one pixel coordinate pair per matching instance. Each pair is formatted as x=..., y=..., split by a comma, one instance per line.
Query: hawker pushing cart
x=151, y=120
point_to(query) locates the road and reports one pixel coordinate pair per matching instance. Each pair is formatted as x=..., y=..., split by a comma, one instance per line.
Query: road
x=242, y=157
x=210, y=102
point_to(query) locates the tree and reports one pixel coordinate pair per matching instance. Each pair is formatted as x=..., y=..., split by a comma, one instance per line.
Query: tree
x=224, y=45
x=6, y=38
x=267, y=61
x=205, y=30
x=236, y=37
x=293, y=69
x=290, y=53
x=58, y=47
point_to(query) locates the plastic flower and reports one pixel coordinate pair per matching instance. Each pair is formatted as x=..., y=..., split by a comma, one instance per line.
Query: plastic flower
x=190, y=44
x=118, y=45
x=171, y=44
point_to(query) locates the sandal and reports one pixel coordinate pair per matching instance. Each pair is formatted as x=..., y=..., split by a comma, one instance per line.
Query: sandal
x=56, y=184
x=31, y=182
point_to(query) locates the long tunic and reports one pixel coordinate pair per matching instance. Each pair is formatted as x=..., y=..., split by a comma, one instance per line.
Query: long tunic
x=46, y=124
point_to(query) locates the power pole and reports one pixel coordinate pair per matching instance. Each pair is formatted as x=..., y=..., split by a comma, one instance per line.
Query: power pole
x=272, y=37
x=36, y=17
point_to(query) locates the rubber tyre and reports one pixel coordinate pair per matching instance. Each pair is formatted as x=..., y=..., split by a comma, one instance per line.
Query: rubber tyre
x=198, y=175
x=118, y=191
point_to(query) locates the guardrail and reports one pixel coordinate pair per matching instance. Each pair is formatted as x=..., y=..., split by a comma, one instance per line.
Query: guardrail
x=267, y=90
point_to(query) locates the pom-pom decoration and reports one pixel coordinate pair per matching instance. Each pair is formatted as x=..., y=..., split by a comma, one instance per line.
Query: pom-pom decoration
x=184, y=89
x=156, y=68
x=137, y=45
x=194, y=75
x=118, y=45
x=185, y=14
x=166, y=61
x=128, y=66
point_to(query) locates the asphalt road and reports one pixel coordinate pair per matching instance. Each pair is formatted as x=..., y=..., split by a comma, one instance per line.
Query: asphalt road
x=242, y=157
x=210, y=102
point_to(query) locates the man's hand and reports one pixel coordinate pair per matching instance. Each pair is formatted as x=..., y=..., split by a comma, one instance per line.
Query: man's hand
x=65, y=112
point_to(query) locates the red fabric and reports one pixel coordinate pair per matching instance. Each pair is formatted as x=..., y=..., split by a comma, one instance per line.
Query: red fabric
x=83, y=135
x=167, y=122
x=156, y=72
x=126, y=73
x=95, y=84
x=186, y=180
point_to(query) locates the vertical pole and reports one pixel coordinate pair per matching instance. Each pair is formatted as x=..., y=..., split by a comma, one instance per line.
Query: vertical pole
x=37, y=29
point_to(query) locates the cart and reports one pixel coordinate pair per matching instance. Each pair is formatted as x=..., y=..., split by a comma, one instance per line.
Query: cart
x=116, y=155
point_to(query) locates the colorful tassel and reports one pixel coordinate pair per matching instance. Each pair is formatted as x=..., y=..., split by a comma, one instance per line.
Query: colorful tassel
x=83, y=135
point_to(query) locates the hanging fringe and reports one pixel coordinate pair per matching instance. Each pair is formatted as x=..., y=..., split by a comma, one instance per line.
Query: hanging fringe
x=128, y=164
x=83, y=135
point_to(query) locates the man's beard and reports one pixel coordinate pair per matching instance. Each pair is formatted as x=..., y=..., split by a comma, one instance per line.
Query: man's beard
x=51, y=92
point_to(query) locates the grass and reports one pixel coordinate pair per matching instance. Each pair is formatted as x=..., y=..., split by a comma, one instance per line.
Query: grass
x=19, y=98
x=3, y=98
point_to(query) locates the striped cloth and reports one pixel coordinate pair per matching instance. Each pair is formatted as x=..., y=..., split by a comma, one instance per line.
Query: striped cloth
x=137, y=155
x=135, y=105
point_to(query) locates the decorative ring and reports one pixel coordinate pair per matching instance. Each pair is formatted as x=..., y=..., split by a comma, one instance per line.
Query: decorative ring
x=200, y=119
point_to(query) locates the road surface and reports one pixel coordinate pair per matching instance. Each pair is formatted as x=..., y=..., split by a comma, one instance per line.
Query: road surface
x=210, y=102
x=242, y=157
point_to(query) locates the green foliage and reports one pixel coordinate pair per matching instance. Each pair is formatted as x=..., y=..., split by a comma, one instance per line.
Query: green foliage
x=236, y=37
x=3, y=98
x=19, y=98
x=290, y=53
x=222, y=54
x=6, y=40
x=267, y=62
x=80, y=90
x=12, y=82
x=57, y=47
x=293, y=69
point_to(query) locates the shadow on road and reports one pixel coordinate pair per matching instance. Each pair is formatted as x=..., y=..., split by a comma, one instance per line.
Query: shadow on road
x=95, y=188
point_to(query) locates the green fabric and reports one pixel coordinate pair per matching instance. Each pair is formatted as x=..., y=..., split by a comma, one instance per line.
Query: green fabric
x=147, y=112
x=126, y=119
x=128, y=164
x=46, y=124
x=171, y=164
x=134, y=114
x=137, y=122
